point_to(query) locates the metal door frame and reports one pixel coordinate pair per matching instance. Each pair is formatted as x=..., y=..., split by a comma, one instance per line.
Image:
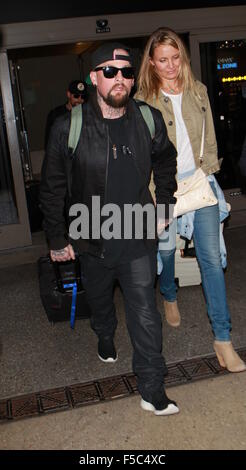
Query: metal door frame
x=13, y=235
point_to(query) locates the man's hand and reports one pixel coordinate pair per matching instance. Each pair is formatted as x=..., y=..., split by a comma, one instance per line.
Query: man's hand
x=65, y=254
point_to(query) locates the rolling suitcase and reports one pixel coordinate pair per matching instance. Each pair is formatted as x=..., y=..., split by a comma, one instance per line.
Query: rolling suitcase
x=61, y=290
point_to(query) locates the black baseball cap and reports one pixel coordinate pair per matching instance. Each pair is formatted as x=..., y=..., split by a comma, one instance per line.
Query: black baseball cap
x=78, y=87
x=106, y=52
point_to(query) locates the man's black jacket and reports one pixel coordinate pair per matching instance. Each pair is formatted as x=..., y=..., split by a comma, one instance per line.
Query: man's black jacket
x=86, y=174
x=52, y=116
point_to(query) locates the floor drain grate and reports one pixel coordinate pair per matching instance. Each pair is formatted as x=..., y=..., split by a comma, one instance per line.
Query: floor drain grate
x=52, y=400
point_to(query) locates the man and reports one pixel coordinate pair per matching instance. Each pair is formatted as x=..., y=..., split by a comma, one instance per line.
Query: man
x=76, y=94
x=114, y=159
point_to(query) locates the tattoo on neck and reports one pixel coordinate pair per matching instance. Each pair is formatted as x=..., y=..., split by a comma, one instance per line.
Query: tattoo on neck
x=108, y=111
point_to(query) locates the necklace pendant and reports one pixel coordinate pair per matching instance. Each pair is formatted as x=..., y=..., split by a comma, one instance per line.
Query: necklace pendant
x=114, y=148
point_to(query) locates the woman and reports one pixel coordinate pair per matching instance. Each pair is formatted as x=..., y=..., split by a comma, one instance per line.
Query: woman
x=166, y=82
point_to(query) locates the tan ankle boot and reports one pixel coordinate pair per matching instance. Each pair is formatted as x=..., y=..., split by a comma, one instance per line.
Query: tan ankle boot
x=228, y=357
x=172, y=313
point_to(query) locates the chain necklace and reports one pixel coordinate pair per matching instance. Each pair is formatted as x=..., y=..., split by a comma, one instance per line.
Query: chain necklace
x=171, y=90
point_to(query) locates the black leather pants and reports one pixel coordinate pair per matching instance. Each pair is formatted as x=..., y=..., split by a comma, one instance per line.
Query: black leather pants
x=143, y=320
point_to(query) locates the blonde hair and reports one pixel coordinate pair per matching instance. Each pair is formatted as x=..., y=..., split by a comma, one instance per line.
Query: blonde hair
x=149, y=82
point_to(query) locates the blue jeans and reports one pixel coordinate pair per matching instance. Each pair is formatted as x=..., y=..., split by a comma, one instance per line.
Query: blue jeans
x=206, y=242
x=167, y=283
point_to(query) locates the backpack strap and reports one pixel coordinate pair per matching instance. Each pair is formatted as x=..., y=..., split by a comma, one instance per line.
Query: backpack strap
x=75, y=128
x=148, y=117
x=77, y=121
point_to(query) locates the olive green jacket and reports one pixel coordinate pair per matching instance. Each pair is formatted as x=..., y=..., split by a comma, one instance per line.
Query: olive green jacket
x=194, y=111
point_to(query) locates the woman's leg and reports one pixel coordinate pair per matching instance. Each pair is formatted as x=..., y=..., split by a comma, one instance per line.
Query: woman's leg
x=206, y=241
x=167, y=248
x=207, y=245
x=167, y=277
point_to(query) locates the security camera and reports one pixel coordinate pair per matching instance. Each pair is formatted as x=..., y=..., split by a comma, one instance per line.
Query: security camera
x=102, y=24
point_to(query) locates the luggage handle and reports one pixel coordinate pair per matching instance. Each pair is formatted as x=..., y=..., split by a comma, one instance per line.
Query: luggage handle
x=59, y=280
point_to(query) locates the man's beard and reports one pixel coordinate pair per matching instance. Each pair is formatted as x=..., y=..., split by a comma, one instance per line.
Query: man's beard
x=116, y=101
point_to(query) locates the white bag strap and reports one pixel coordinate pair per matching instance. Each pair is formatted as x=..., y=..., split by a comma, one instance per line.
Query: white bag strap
x=202, y=142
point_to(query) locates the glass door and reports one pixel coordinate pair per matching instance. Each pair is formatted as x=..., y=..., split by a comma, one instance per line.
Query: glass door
x=223, y=66
x=218, y=59
x=14, y=222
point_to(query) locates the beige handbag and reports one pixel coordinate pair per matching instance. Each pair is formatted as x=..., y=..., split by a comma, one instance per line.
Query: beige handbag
x=194, y=192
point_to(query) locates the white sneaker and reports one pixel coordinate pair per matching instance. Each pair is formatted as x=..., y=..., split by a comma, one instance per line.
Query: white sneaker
x=170, y=409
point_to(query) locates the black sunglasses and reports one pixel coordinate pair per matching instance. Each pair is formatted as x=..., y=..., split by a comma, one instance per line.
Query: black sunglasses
x=110, y=72
x=77, y=95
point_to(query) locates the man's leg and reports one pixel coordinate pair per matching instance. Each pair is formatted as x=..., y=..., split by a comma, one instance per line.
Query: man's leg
x=98, y=282
x=144, y=325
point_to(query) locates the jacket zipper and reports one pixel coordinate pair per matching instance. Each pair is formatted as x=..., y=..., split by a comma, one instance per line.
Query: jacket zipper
x=106, y=179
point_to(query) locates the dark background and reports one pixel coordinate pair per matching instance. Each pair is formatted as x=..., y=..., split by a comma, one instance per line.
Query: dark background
x=31, y=10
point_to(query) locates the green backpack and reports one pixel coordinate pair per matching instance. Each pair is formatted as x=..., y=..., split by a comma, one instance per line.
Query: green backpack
x=77, y=121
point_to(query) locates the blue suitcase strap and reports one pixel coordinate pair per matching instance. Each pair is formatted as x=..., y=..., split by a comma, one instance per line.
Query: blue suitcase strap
x=73, y=304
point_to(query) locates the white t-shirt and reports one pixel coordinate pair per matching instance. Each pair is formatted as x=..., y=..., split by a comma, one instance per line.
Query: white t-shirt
x=185, y=159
